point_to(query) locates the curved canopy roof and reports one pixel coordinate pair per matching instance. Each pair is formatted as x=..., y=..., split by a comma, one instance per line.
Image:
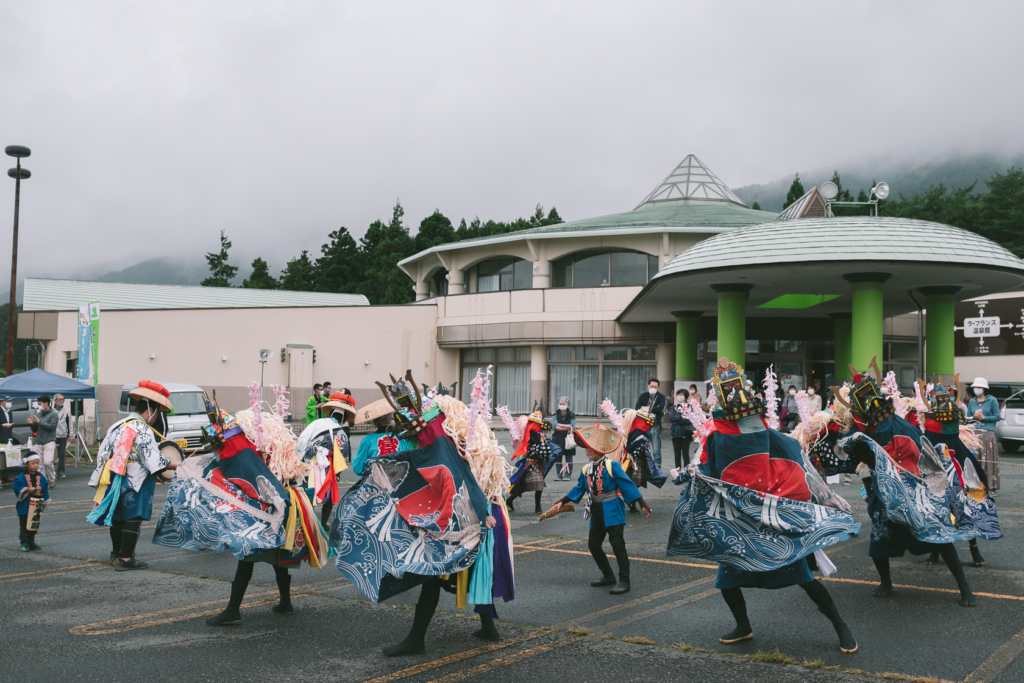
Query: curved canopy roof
x=811, y=255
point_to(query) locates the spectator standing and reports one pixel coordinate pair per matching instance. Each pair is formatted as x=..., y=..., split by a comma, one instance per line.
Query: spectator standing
x=656, y=403
x=565, y=423
x=45, y=420
x=313, y=404
x=792, y=412
x=63, y=432
x=6, y=421
x=985, y=410
x=682, y=429
x=813, y=398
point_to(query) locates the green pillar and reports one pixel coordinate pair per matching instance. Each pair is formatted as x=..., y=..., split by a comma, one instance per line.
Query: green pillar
x=732, y=321
x=866, y=318
x=939, y=303
x=687, y=332
x=843, y=348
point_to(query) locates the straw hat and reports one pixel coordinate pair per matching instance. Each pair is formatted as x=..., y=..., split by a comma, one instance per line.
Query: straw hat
x=153, y=392
x=378, y=408
x=600, y=439
x=339, y=401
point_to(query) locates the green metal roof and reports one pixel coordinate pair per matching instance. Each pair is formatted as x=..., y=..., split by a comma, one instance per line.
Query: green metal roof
x=67, y=295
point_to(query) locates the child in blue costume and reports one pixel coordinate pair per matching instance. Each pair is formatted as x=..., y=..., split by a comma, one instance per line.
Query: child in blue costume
x=28, y=486
x=728, y=456
x=607, y=486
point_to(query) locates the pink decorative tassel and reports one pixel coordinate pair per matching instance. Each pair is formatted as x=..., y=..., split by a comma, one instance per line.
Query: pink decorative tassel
x=514, y=432
x=281, y=402
x=479, y=404
x=692, y=412
x=608, y=408
x=804, y=410
x=771, y=399
x=894, y=393
x=256, y=401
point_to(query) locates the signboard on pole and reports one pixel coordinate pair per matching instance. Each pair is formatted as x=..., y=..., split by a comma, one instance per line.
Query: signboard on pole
x=84, y=343
x=94, y=335
x=993, y=327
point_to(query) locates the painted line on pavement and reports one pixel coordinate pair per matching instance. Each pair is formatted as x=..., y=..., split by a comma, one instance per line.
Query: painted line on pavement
x=607, y=628
x=527, y=549
x=122, y=624
x=474, y=652
x=50, y=573
x=998, y=660
x=98, y=530
x=506, y=660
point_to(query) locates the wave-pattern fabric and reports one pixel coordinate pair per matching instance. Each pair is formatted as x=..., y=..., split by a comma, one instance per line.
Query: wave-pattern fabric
x=414, y=515
x=917, y=501
x=233, y=504
x=756, y=504
x=639, y=448
x=969, y=512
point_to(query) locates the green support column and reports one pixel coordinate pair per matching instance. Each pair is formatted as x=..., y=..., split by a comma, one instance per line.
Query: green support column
x=939, y=303
x=866, y=318
x=843, y=348
x=732, y=321
x=687, y=332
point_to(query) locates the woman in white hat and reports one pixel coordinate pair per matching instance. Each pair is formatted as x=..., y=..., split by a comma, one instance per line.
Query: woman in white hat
x=125, y=474
x=985, y=410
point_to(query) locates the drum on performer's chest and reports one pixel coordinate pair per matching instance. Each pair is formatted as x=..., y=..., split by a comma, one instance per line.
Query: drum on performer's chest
x=172, y=453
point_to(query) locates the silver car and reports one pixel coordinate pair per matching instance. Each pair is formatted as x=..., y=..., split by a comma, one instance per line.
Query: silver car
x=1010, y=429
x=184, y=425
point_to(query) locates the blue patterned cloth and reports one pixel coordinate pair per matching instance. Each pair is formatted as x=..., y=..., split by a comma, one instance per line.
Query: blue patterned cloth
x=233, y=504
x=414, y=515
x=906, y=509
x=750, y=530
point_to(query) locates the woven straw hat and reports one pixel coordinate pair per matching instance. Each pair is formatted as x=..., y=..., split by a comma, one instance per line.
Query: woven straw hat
x=339, y=401
x=154, y=392
x=371, y=412
x=600, y=439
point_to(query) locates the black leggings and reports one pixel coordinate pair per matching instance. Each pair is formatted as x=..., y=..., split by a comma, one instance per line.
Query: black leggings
x=24, y=535
x=325, y=515
x=596, y=544
x=124, y=535
x=243, y=573
x=681, y=446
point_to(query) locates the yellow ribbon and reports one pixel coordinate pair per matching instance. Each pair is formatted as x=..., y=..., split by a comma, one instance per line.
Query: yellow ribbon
x=461, y=588
x=101, y=489
x=338, y=459
x=289, y=527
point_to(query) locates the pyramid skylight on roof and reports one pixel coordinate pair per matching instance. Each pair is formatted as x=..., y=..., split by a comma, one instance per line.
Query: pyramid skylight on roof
x=691, y=179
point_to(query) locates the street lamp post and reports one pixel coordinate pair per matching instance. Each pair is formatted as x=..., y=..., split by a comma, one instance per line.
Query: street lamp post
x=17, y=151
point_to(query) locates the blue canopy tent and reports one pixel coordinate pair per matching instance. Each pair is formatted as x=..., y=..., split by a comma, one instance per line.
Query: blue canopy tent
x=35, y=383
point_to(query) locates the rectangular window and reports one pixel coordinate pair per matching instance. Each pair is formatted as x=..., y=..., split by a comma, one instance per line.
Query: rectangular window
x=642, y=352
x=591, y=271
x=485, y=355
x=512, y=387
x=652, y=267
x=506, y=355
x=563, y=353
x=523, y=354
x=579, y=383
x=561, y=272
x=468, y=355
x=522, y=275
x=623, y=383
x=628, y=268
x=588, y=353
x=488, y=283
x=615, y=353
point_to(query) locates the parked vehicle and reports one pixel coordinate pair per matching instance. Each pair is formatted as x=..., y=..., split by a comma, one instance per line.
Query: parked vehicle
x=1010, y=429
x=185, y=424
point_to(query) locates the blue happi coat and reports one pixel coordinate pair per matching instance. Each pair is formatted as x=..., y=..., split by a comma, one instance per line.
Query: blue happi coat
x=757, y=506
x=612, y=477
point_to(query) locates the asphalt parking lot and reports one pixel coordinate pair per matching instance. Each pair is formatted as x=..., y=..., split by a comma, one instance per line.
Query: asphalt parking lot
x=69, y=616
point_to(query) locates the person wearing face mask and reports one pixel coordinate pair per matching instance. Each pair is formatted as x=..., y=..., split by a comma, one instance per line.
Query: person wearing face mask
x=565, y=422
x=63, y=432
x=792, y=411
x=656, y=402
x=125, y=476
x=813, y=399
x=45, y=421
x=313, y=404
x=985, y=410
x=682, y=429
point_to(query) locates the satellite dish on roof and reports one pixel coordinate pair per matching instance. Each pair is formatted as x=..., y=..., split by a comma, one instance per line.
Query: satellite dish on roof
x=829, y=190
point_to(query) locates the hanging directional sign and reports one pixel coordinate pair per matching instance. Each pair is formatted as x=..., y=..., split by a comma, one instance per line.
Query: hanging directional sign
x=992, y=327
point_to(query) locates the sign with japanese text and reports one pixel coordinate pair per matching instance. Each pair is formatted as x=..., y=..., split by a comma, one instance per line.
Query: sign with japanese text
x=992, y=327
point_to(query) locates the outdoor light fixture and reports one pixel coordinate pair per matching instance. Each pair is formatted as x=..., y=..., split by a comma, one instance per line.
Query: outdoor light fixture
x=829, y=190
x=264, y=354
x=881, y=190
x=366, y=362
x=19, y=152
x=223, y=359
x=152, y=356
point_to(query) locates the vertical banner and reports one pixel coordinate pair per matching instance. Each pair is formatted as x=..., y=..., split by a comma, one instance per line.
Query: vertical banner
x=94, y=325
x=94, y=329
x=84, y=343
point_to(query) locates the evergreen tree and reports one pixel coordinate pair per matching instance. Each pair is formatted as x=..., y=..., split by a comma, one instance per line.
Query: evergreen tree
x=1002, y=210
x=435, y=229
x=260, y=278
x=221, y=274
x=756, y=207
x=340, y=266
x=383, y=246
x=844, y=195
x=298, y=275
x=796, y=191
x=553, y=218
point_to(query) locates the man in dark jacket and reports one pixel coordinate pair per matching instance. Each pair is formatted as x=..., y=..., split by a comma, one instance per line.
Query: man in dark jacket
x=46, y=420
x=657, y=403
x=6, y=421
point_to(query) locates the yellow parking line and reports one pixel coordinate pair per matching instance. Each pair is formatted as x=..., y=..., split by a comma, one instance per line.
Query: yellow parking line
x=50, y=573
x=925, y=588
x=998, y=661
x=506, y=660
x=607, y=628
x=636, y=559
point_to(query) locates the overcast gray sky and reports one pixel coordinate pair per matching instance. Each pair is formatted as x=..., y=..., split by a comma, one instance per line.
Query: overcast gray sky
x=155, y=124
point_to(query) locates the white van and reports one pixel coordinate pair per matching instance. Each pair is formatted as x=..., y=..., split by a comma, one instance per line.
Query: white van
x=185, y=424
